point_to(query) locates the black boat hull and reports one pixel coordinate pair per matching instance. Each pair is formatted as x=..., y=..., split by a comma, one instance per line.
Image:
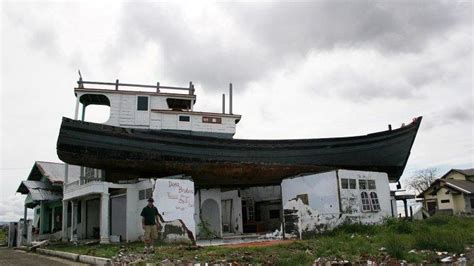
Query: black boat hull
x=131, y=153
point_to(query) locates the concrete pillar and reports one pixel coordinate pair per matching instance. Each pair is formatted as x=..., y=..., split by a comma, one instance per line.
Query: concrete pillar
x=73, y=220
x=25, y=225
x=52, y=220
x=406, y=208
x=42, y=218
x=64, y=221
x=104, y=218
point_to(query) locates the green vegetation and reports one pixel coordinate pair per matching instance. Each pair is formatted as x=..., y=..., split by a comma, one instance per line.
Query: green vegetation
x=394, y=240
x=3, y=236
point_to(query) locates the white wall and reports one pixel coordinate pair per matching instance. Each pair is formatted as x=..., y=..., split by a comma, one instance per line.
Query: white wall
x=328, y=204
x=123, y=112
x=175, y=199
x=134, y=209
x=201, y=197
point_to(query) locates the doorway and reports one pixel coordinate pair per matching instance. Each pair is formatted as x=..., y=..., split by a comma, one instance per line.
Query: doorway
x=227, y=216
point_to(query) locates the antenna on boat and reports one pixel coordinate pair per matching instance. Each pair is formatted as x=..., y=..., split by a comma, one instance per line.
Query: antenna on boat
x=223, y=103
x=230, y=98
x=79, y=82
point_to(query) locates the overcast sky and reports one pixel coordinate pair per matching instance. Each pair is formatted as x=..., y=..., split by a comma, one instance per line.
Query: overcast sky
x=299, y=70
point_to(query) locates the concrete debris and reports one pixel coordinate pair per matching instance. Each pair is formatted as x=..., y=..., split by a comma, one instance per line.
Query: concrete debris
x=277, y=234
x=447, y=259
x=38, y=244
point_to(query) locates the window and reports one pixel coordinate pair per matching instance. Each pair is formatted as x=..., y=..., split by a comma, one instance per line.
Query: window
x=274, y=214
x=344, y=183
x=375, y=201
x=184, y=118
x=362, y=184
x=371, y=184
x=211, y=120
x=445, y=201
x=145, y=194
x=352, y=183
x=365, y=201
x=142, y=103
x=348, y=183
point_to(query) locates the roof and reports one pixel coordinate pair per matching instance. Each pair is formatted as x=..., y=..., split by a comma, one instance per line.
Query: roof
x=465, y=172
x=54, y=172
x=40, y=191
x=464, y=186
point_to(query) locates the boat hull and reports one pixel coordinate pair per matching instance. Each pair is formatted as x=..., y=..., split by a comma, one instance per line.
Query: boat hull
x=138, y=153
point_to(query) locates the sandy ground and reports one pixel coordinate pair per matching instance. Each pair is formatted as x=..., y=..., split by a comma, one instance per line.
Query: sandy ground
x=10, y=256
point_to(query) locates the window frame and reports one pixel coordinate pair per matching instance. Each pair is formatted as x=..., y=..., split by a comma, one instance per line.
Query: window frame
x=147, y=103
x=366, y=202
x=374, y=201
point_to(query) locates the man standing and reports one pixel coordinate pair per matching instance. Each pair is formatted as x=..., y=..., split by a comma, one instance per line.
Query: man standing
x=151, y=224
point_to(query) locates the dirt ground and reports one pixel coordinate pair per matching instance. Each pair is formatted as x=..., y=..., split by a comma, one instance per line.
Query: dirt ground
x=259, y=244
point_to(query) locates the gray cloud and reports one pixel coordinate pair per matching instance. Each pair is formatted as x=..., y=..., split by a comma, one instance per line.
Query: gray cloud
x=257, y=39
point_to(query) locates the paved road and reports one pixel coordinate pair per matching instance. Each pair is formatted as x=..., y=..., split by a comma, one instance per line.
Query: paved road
x=17, y=257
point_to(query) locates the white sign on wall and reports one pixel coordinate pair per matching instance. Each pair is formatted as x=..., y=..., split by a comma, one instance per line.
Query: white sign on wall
x=174, y=199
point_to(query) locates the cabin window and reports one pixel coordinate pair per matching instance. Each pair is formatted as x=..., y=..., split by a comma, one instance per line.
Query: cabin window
x=375, y=201
x=184, y=118
x=365, y=201
x=142, y=103
x=362, y=184
x=445, y=201
x=274, y=214
x=371, y=184
x=211, y=120
x=145, y=194
x=348, y=183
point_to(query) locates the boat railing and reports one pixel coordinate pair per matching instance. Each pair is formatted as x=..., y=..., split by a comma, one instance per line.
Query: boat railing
x=158, y=87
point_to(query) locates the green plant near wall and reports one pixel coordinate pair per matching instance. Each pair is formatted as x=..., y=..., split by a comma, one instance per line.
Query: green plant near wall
x=205, y=231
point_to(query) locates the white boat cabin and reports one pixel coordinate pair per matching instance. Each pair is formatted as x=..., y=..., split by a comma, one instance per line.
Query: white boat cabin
x=164, y=108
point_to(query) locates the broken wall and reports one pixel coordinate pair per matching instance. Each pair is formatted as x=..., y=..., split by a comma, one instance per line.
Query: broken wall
x=318, y=202
x=175, y=198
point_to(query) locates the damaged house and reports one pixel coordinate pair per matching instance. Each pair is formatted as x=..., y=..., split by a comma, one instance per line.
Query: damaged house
x=206, y=183
x=452, y=194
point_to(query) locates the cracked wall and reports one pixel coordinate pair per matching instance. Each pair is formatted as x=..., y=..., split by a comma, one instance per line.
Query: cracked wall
x=317, y=203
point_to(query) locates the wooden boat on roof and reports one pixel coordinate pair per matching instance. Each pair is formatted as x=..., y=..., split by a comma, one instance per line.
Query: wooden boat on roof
x=160, y=142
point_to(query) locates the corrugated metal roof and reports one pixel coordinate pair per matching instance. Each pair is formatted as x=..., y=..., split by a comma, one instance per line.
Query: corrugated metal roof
x=56, y=172
x=40, y=191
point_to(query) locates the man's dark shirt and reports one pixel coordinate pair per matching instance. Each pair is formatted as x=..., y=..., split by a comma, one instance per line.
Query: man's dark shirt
x=149, y=213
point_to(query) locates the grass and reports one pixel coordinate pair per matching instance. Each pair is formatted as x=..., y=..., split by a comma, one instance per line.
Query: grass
x=351, y=242
x=3, y=236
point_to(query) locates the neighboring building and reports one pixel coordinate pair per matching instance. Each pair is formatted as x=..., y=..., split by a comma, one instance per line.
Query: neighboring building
x=44, y=190
x=452, y=194
x=101, y=209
